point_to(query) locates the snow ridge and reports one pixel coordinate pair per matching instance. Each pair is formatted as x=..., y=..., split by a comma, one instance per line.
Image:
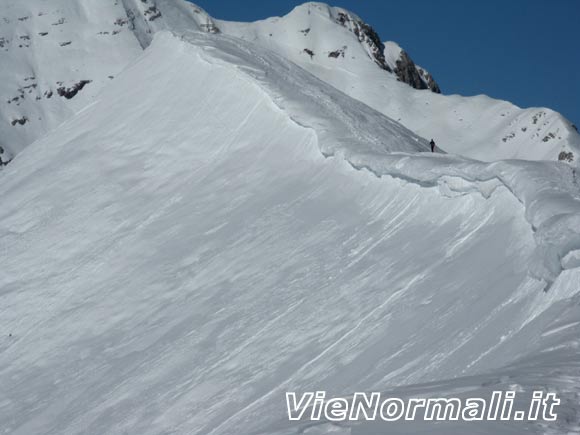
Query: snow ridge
x=292, y=87
x=548, y=191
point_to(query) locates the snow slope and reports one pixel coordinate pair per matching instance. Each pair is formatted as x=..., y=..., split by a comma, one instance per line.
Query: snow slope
x=47, y=46
x=57, y=55
x=177, y=272
x=477, y=127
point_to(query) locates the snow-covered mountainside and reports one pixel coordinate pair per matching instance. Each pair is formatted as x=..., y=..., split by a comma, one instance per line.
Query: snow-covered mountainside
x=330, y=37
x=58, y=55
x=326, y=41
x=55, y=57
x=257, y=231
x=218, y=226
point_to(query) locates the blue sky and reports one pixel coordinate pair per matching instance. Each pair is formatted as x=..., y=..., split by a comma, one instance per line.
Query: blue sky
x=524, y=51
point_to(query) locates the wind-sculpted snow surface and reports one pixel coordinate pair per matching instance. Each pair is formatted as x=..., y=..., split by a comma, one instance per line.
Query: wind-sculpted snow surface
x=550, y=192
x=177, y=264
x=339, y=121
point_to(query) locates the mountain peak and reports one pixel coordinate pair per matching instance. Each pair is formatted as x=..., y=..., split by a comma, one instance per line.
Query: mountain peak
x=388, y=56
x=334, y=31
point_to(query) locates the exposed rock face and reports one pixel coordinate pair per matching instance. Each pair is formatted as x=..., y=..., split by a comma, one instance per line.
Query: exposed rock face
x=19, y=121
x=367, y=36
x=405, y=68
x=413, y=75
x=566, y=156
x=71, y=92
x=429, y=80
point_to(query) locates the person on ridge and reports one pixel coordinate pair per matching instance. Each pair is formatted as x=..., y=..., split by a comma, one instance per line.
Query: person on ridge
x=432, y=143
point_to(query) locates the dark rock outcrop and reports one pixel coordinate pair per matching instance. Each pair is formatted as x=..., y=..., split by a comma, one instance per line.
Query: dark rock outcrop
x=409, y=73
x=367, y=36
x=429, y=80
x=4, y=157
x=19, y=121
x=337, y=53
x=406, y=70
x=566, y=156
x=69, y=93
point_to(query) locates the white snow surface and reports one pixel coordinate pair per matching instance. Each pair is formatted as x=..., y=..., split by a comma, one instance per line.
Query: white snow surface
x=50, y=44
x=392, y=53
x=46, y=45
x=219, y=227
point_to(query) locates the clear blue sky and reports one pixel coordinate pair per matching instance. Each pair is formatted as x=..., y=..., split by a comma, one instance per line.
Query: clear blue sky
x=524, y=51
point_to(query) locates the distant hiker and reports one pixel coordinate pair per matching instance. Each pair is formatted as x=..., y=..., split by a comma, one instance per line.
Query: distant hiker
x=432, y=143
